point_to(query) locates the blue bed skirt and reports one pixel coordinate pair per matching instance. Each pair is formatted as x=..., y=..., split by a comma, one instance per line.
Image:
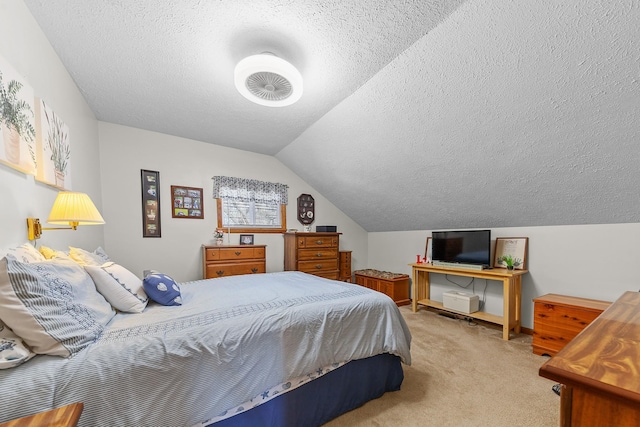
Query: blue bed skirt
x=327, y=397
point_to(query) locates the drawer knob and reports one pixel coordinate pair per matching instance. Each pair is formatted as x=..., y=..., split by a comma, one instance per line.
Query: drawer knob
x=319, y=254
x=318, y=242
x=220, y=272
x=238, y=253
x=254, y=270
x=318, y=266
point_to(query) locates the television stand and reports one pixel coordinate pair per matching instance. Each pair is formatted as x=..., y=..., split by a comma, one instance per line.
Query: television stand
x=512, y=293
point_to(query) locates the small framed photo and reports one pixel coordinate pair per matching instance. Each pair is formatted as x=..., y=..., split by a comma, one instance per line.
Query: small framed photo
x=246, y=239
x=513, y=247
x=187, y=202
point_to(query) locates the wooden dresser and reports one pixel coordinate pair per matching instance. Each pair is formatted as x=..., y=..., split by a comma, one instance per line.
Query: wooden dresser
x=345, y=266
x=313, y=253
x=220, y=261
x=557, y=319
x=599, y=369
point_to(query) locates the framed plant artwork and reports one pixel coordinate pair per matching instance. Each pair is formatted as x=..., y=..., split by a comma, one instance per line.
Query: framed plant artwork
x=53, y=148
x=186, y=202
x=150, y=203
x=511, y=251
x=17, y=121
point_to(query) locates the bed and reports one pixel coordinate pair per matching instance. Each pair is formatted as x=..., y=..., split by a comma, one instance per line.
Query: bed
x=269, y=349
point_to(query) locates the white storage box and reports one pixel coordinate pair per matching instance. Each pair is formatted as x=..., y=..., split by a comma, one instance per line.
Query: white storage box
x=461, y=301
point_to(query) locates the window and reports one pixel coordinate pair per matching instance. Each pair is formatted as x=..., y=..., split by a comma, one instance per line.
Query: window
x=247, y=205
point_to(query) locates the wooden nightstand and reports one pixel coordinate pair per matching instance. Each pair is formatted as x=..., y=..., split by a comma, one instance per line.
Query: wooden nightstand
x=557, y=319
x=65, y=416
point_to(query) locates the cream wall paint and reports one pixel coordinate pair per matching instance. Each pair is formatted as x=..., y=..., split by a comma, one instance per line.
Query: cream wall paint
x=124, y=151
x=24, y=46
x=589, y=261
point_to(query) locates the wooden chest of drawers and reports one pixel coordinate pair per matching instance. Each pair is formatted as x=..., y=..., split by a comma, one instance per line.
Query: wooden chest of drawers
x=220, y=261
x=313, y=253
x=345, y=266
x=557, y=319
x=394, y=285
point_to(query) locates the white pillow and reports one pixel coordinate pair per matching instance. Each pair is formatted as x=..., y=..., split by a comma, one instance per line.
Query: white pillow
x=26, y=253
x=119, y=286
x=13, y=352
x=82, y=257
x=53, y=306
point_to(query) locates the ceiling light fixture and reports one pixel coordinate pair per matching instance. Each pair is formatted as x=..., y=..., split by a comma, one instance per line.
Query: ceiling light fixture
x=268, y=80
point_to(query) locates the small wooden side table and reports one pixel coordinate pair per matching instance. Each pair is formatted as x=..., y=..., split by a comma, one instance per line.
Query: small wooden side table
x=64, y=416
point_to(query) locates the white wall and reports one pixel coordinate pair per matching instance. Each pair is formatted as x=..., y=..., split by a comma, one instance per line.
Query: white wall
x=589, y=261
x=25, y=47
x=124, y=151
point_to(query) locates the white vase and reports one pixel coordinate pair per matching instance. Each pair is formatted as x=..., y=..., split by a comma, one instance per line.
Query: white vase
x=219, y=241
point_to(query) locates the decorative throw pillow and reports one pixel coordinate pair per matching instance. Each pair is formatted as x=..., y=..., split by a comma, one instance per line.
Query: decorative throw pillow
x=162, y=289
x=13, y=351
x=26, y=253
x=119, y=286
x=53, y=306
x=50, y=254
x=82, y=257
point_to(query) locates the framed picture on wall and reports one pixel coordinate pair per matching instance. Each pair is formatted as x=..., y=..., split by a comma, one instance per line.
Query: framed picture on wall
x=516, y=247
x=187, y=202
x=150, y=203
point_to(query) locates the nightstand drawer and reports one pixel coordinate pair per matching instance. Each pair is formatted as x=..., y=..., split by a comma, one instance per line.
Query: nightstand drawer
x=219, y=261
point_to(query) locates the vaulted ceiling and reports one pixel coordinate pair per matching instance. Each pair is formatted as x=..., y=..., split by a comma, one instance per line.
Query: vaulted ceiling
x=429, y=114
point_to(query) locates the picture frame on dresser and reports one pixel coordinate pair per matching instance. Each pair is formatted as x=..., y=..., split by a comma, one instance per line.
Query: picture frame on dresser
x=515, y=246
x=246, y=239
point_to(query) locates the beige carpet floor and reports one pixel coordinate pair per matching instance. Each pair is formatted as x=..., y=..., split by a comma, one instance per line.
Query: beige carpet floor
x=463, y=374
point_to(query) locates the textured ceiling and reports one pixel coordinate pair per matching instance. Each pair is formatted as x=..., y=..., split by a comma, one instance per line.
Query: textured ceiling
x=416, y=114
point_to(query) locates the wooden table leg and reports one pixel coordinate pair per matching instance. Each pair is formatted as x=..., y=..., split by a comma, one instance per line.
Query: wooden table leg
x=506, y=311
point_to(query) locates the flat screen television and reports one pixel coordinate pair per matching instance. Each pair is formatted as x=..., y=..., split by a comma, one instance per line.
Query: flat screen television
x=463, y=247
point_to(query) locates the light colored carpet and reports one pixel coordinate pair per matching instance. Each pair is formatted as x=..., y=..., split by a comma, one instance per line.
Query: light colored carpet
x=463, y=374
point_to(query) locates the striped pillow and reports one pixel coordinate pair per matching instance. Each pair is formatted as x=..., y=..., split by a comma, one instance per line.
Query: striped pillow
x=53, y=306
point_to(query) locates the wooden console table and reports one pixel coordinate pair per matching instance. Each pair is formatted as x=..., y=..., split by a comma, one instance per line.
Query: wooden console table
x=512, y=293
x=599, y=369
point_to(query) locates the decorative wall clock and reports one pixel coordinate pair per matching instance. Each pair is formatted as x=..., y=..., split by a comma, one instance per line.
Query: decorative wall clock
x=306, y=209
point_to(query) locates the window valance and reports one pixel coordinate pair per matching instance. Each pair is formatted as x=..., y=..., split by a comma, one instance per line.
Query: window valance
x=249, y=190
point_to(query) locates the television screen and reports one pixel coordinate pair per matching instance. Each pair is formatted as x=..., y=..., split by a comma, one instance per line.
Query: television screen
x=464, y=247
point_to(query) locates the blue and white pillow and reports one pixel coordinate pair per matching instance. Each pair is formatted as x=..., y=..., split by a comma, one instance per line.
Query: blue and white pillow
x=162, y=289
x=119, y=286
x=53, y=306
x=13, y=352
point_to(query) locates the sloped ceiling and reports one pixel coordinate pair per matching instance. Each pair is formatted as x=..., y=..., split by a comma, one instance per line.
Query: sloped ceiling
x=416, y=114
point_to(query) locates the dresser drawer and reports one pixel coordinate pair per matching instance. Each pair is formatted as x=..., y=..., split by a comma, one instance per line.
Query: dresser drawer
x=317, y=241
x=319, y=253
x=234, y=269
x=222, y=254
x=318, y=266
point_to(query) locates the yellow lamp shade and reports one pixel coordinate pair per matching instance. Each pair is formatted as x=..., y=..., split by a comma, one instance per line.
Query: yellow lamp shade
x=74, y=209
